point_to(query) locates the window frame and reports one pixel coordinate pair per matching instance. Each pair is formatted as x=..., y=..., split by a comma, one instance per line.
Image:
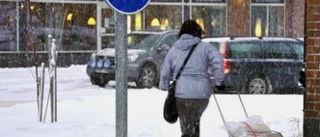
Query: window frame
x=268, y=5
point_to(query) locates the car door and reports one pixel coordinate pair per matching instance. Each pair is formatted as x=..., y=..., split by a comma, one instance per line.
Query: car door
x=162, y=49
x=245, y=59
x=281, y=64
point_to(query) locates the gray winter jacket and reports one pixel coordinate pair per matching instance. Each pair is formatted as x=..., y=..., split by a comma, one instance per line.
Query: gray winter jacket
x=194, y=81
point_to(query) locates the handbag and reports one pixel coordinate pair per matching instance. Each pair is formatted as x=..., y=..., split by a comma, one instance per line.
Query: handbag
x=170, y=112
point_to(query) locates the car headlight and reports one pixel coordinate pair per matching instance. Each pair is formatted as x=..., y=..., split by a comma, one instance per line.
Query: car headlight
x=133, y=58
x=99, y=63
x=92, y=63
x=107, y=63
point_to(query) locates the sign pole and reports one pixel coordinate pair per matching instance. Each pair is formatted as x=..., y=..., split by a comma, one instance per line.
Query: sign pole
x=122, y=9
x=121, y=75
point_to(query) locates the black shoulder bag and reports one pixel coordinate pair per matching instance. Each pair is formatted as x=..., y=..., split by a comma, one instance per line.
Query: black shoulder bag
x=170, y=112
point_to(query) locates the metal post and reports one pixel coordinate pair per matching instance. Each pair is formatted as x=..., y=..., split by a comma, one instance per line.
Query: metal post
x=41, y=91
x=121, y=75
x=52, y=75
x=18, y=26
x=51, y=88
x=98, y=26
x=28, y=28
x=49, y=47
x=55, y=80
x=49, y=42
x=186, y=10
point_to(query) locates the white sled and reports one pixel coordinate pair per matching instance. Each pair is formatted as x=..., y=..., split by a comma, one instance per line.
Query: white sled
x=253, y=126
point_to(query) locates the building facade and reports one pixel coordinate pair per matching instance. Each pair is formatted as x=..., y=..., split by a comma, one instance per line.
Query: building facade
x=82, y=27
x=311, y=105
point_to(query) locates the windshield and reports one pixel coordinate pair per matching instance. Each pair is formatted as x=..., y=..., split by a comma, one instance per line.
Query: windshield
x=142, y=41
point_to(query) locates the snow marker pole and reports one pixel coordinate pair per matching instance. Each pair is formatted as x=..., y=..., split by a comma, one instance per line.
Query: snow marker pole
x=45, y=114
x=41, y=91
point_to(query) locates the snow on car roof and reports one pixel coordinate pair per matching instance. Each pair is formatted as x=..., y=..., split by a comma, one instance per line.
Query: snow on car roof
x=151, y=31
x=221, y=39
x=279, y=38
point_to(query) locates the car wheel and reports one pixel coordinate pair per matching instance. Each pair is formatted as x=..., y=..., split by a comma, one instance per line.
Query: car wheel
x=147, y=77
x=100, y=80
x=258, y=85
x=93, y=81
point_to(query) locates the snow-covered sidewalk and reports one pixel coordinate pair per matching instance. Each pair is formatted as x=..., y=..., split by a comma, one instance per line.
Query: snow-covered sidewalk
x=85, y=110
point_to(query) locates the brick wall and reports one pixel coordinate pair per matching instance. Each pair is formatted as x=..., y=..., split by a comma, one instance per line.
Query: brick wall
x=238, y=14
x=294, y=14
x=311, y=126
x=238, y=25
x=312, y=57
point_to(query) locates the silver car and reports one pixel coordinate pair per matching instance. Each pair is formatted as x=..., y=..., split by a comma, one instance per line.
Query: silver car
x=146, y=52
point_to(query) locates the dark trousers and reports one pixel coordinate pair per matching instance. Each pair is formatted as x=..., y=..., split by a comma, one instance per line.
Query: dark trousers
x=190, y=112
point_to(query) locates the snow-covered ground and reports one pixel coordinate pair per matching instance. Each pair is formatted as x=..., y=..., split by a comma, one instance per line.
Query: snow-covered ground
x=85, y=110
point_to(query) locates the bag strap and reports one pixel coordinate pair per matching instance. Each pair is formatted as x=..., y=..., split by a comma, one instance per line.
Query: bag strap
x=185, y=62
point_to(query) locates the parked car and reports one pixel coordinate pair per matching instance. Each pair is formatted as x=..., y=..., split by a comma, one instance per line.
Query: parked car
x=262, y=65
x=146, y=52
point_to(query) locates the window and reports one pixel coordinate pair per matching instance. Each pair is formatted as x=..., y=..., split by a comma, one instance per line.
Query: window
x=7, y=26
x=142, y=41
x=245, y=50
x=166, y=19
x=107, y=25
x=299, y=49
x=169, y=40
x=216, y=45
x=69, y=27
x=267, y=19
x=279, y=50
x=211, y=18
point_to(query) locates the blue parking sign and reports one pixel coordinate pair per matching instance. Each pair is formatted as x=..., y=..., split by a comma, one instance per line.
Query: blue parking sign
x=128, y=6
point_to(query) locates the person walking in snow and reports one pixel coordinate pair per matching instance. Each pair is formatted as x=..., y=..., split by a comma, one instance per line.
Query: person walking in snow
x=194, y=87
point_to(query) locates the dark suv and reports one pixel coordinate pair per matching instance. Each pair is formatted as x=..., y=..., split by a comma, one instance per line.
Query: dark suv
x=261, y=65
x=146, y=52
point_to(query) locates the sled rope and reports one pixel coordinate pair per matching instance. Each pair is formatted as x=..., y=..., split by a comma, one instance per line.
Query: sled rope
x=250, y=128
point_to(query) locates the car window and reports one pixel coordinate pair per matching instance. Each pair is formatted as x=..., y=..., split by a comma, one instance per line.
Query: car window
x=144, y=42
x=169, y=40
x=216, y=45
x=299, y=49
x=279, y=50
x=246, y=49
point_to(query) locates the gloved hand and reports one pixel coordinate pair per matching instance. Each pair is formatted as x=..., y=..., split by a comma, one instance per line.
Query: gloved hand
x=221, y=87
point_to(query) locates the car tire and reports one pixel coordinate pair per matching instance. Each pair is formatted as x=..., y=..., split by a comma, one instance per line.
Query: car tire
x=93, y=81
x=99, y=79
x=258, y=85
x=147, y=77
